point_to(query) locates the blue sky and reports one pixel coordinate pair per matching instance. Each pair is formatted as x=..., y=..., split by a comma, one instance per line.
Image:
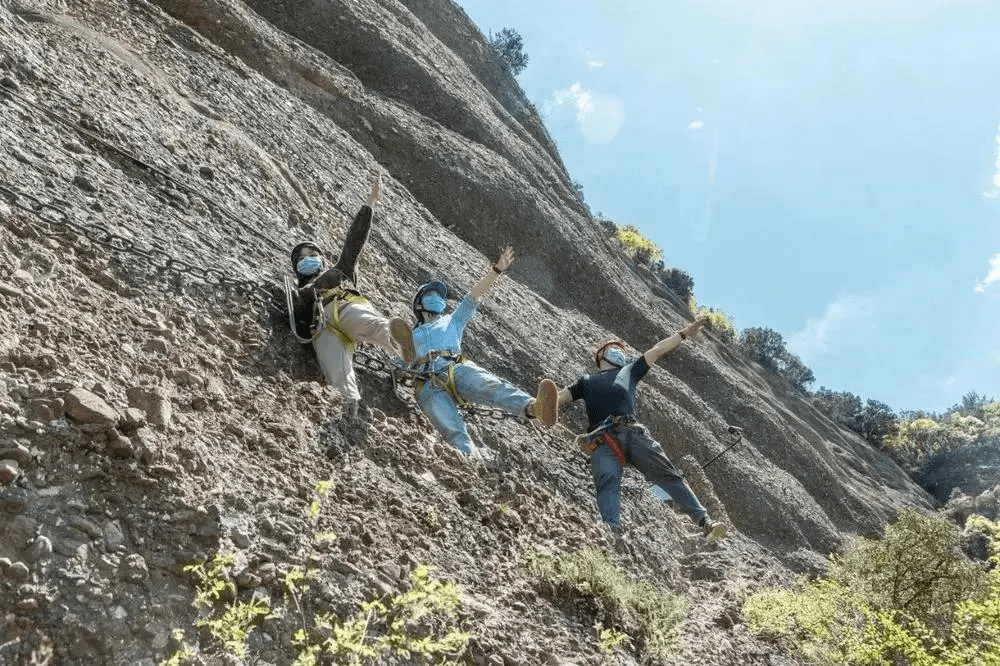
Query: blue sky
x=829, y=169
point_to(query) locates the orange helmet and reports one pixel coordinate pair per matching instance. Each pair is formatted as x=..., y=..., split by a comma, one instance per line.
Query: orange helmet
x=604, y=345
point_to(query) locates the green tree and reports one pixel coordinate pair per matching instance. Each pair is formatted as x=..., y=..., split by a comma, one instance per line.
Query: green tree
x=678, y=282
x=876, y=422
x=909, y=598
x=767, y=347
x=509, y=46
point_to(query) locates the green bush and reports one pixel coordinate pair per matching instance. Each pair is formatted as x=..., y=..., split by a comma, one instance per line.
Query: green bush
x=641, y=249
x=909, y=598
x=635, y=607
x=509, y=47
x=917, y=439
x=916, y=568
x=720, y=322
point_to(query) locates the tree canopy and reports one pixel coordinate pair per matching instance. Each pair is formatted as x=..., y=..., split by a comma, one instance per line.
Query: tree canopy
x=510, y=47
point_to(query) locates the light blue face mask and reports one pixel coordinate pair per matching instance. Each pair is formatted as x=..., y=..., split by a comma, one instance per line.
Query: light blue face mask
x=615, y=356
x=433, y=302
x=309, y=265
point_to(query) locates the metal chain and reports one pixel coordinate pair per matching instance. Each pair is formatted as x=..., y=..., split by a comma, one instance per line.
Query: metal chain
x=58, y=221
x=405, y=378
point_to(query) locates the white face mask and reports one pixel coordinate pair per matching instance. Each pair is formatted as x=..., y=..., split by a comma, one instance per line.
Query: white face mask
x=309, y=265
x=615, y=356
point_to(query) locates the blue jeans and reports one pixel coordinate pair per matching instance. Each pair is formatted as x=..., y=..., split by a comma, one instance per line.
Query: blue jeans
x=647, y=456
x=474, y=385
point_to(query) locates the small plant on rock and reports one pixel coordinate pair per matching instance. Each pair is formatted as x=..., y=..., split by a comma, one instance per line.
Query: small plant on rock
x=421, y=622
x=229, y=619
x=635, y=608
x=720, y=322
x=641, y=249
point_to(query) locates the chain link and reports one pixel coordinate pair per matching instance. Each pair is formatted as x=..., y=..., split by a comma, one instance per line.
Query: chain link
x=403, y=378
x=58, y=220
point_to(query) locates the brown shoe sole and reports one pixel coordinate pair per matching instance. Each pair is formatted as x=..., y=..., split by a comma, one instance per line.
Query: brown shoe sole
x=546, y=403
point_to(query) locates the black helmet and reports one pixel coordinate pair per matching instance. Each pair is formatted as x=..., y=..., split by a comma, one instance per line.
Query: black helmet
x=435, y=286
x=297, y=251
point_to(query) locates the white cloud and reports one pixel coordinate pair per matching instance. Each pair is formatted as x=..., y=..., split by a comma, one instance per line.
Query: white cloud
x=575, y=96
x=994, y=192
x=815, y=338
x=600, y=117
x=696, y=124
x=993, y=275
x=593, y=62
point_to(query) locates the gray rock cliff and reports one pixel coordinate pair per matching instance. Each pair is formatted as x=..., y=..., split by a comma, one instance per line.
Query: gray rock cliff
x=153, y=413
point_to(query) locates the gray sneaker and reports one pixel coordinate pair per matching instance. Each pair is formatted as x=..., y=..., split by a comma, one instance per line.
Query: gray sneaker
x=714, y=530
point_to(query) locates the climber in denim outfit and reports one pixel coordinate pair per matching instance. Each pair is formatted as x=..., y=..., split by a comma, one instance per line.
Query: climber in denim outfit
x=450, y=379
x=617, y=439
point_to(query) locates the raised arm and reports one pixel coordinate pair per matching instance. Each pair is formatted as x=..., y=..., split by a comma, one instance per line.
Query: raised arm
x=667, y=345
x=357, y=235
x=496, y=270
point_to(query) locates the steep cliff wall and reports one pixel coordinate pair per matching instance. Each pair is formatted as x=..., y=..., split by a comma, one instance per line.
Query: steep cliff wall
x=157, y=419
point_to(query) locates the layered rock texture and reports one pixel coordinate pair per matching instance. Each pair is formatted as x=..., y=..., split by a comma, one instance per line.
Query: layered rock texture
x=158, y=161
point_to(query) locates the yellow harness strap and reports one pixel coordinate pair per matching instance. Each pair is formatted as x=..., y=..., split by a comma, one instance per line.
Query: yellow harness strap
x=339, y=296
x=447, y=383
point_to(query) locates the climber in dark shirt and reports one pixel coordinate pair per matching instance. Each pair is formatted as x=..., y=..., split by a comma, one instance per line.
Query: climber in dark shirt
x=616, y=438
x=335, y=317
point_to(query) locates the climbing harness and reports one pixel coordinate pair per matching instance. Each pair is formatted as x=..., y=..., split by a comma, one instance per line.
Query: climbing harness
x=444, y=379
x=588, y=442
x=339, y=296
x=737, y=434
x=405, y=380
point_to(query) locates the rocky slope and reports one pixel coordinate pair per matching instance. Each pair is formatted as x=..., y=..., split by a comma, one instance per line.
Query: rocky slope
x=154, y=413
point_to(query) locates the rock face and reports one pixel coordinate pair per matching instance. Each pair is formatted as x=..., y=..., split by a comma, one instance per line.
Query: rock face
x=160, y=161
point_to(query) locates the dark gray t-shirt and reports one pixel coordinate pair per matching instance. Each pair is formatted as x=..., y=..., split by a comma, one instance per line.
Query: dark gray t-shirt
x=611, y=392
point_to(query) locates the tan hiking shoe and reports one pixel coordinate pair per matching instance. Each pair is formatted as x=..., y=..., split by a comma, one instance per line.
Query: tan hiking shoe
x=402, y=335
x=714, y=530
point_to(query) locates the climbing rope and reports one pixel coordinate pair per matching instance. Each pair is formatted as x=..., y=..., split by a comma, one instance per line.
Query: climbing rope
x=57, y=221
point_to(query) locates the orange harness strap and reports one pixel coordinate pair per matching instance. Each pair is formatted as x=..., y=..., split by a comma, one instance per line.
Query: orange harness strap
x=613, y=444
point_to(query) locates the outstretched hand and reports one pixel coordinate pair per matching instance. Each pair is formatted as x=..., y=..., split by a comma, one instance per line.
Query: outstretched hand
x=506, y=258
x=376, y=192
x=695, y=326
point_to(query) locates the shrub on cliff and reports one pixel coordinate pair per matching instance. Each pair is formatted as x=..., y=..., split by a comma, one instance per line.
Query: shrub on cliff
x=910, y=598
x=641, y=249
x=510, y=48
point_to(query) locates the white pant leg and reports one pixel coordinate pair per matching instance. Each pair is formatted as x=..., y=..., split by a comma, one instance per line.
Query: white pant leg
x=366, y=324
x=335, y=360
